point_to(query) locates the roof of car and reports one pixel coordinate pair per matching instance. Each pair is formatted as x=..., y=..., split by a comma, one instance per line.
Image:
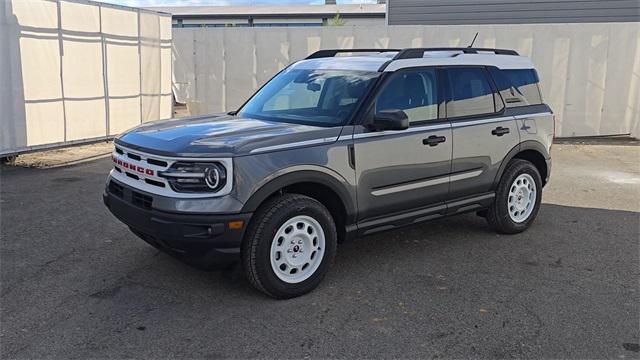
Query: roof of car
x=393, y=60
x=362, y=63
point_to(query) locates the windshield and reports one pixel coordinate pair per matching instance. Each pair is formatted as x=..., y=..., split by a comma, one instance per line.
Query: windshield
x=313, y=97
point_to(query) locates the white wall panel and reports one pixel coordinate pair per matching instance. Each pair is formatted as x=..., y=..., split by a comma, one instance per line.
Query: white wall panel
x=183, y=58
x=36, y=63
x=119, y=21
x=44, y=123
x=150, y=66
x=209, y=66
x=589, y=72
x=240, y=66
x=122, y=59
x=71, y=71
x=166, y=99
x=82, y=71
x=303, y=41
x=123, y=85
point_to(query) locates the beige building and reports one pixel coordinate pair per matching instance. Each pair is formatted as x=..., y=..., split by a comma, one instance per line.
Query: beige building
x=274, y=16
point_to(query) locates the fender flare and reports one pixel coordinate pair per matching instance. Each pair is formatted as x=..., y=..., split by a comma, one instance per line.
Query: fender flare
x=525, y=145
x=299, y=174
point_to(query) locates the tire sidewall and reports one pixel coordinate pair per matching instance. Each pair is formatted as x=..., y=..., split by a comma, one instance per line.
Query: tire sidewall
x=269, y=279
x=518, y=168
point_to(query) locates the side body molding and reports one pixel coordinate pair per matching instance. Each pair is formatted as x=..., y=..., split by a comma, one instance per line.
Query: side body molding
x=304, y=174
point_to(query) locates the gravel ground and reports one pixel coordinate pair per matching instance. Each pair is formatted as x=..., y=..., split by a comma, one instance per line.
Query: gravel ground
x=75, y=283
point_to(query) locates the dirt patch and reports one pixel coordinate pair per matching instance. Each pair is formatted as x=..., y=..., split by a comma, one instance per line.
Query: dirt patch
x=64, y=157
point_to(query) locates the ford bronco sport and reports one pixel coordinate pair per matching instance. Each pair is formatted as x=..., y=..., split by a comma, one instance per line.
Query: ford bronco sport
x=341, y=144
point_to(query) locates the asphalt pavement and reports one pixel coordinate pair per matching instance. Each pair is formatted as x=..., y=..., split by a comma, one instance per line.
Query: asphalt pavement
x=75, y=283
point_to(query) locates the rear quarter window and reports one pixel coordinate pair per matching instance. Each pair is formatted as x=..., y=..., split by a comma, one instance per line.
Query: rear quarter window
x=518, y=87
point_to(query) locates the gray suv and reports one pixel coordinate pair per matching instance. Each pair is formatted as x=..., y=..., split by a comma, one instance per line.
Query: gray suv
x=339, y=145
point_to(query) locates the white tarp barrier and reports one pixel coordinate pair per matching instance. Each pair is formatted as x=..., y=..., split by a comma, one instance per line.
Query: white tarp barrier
x=589, y=72
x=74, y=71
x=122, y=59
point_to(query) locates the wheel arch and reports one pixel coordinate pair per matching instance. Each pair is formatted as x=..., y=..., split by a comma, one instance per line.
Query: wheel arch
x=530, y=150
x=329, y=189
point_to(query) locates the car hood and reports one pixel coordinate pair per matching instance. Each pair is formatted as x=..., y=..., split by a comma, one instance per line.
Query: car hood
x=220, y=135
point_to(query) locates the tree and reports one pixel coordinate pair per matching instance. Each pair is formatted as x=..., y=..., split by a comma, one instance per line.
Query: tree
x=336, y=20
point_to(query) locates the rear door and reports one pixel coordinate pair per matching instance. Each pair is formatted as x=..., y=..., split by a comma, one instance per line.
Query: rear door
x=482, y=134
x=400, y=171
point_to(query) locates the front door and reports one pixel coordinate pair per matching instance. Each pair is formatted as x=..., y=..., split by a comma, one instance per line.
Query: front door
x=405, y=170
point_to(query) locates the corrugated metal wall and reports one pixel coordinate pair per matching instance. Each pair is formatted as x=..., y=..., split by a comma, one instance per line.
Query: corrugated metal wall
x=589, y=72
x=451, y=12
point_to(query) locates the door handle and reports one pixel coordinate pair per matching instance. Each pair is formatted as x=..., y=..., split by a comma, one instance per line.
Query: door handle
x=499, y=131
x=433, y=140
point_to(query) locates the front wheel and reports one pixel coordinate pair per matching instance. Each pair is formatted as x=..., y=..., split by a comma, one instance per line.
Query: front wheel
x=517, y=198
x=289, y=246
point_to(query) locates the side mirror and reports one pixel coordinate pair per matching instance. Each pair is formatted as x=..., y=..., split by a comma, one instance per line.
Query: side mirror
x=313, y=86
x=390, y=120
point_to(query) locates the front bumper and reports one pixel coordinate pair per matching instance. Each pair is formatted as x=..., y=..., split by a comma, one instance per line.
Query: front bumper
x=203, y=240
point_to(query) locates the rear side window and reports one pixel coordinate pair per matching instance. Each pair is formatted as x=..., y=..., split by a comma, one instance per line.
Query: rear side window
x=470, y=92
x=518, y=87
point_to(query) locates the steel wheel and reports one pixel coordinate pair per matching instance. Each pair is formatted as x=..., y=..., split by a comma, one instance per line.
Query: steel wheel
x=522, y=198
x=297, y=249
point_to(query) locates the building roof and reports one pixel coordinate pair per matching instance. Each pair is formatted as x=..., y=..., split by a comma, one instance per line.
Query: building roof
x=274, y=11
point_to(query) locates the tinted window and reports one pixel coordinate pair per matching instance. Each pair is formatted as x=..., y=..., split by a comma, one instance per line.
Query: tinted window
x=416, y=93
x=315, y=97
x=518, y=87
x=469, y=92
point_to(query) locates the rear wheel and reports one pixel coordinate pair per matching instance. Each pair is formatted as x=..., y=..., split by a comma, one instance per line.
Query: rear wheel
x=289, y=246
x=517, y=198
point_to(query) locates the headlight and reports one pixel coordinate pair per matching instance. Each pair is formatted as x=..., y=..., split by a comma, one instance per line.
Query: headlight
x=196, y=177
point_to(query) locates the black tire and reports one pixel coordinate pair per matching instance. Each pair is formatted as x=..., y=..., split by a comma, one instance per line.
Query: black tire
x=9, y=160
x=256, y=247
x=498, y=214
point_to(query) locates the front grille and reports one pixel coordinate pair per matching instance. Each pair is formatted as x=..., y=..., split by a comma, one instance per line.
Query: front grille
x=116, y=189
x=154, y=183
x=138, y=170
x=141, y=200
x=157, y=162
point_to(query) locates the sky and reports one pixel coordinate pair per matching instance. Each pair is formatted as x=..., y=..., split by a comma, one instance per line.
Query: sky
x=149, y=3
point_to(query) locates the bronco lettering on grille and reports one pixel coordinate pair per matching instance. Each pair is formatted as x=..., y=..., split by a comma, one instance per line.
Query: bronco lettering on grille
x=133, y=167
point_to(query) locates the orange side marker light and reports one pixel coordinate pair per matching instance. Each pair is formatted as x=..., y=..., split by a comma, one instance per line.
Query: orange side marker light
x=236, y=224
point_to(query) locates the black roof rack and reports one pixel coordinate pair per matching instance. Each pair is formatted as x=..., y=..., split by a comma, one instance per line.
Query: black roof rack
x=334, y=52
x=415, y=53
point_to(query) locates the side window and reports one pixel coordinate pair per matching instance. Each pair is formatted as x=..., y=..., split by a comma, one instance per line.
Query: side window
x=470, y=92
x=415, y=93
x=518, y=87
